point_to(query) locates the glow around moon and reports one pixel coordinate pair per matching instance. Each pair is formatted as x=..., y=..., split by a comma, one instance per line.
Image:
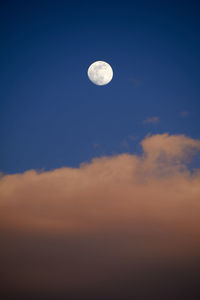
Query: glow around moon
x=100, y=73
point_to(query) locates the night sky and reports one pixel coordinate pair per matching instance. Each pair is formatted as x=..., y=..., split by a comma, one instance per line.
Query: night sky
x=100, y=185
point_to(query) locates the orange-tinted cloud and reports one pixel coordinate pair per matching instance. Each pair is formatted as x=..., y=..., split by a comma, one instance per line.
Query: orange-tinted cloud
x=152, y=120
x=137, y=82
x=74, y=228
x=184, y=113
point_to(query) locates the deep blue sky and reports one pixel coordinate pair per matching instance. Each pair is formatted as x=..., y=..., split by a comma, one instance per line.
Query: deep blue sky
x=51, y=115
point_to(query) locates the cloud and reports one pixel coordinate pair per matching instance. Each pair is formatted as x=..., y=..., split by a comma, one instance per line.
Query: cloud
x=184, y=113
x=132, y=137
x=137, y=82
x=95, y=145
x=125, y=225
x=124, y=144
x=152, y=120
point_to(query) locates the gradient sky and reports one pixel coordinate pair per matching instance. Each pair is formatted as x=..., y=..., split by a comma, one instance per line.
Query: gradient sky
x=100, y=185
x=51, y=114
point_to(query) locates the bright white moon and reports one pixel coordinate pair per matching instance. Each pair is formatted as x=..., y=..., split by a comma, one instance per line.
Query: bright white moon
x=100, y=73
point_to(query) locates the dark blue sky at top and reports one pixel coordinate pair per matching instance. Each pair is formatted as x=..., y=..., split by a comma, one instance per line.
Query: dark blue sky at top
x=51, y=115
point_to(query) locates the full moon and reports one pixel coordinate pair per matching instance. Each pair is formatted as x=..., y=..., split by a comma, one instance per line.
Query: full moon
x=100, y=73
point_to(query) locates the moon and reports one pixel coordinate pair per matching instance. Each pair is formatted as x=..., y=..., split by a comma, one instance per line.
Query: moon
x=100, y=73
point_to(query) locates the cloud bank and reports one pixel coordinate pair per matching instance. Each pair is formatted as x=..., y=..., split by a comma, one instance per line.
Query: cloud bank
x=120, y=227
